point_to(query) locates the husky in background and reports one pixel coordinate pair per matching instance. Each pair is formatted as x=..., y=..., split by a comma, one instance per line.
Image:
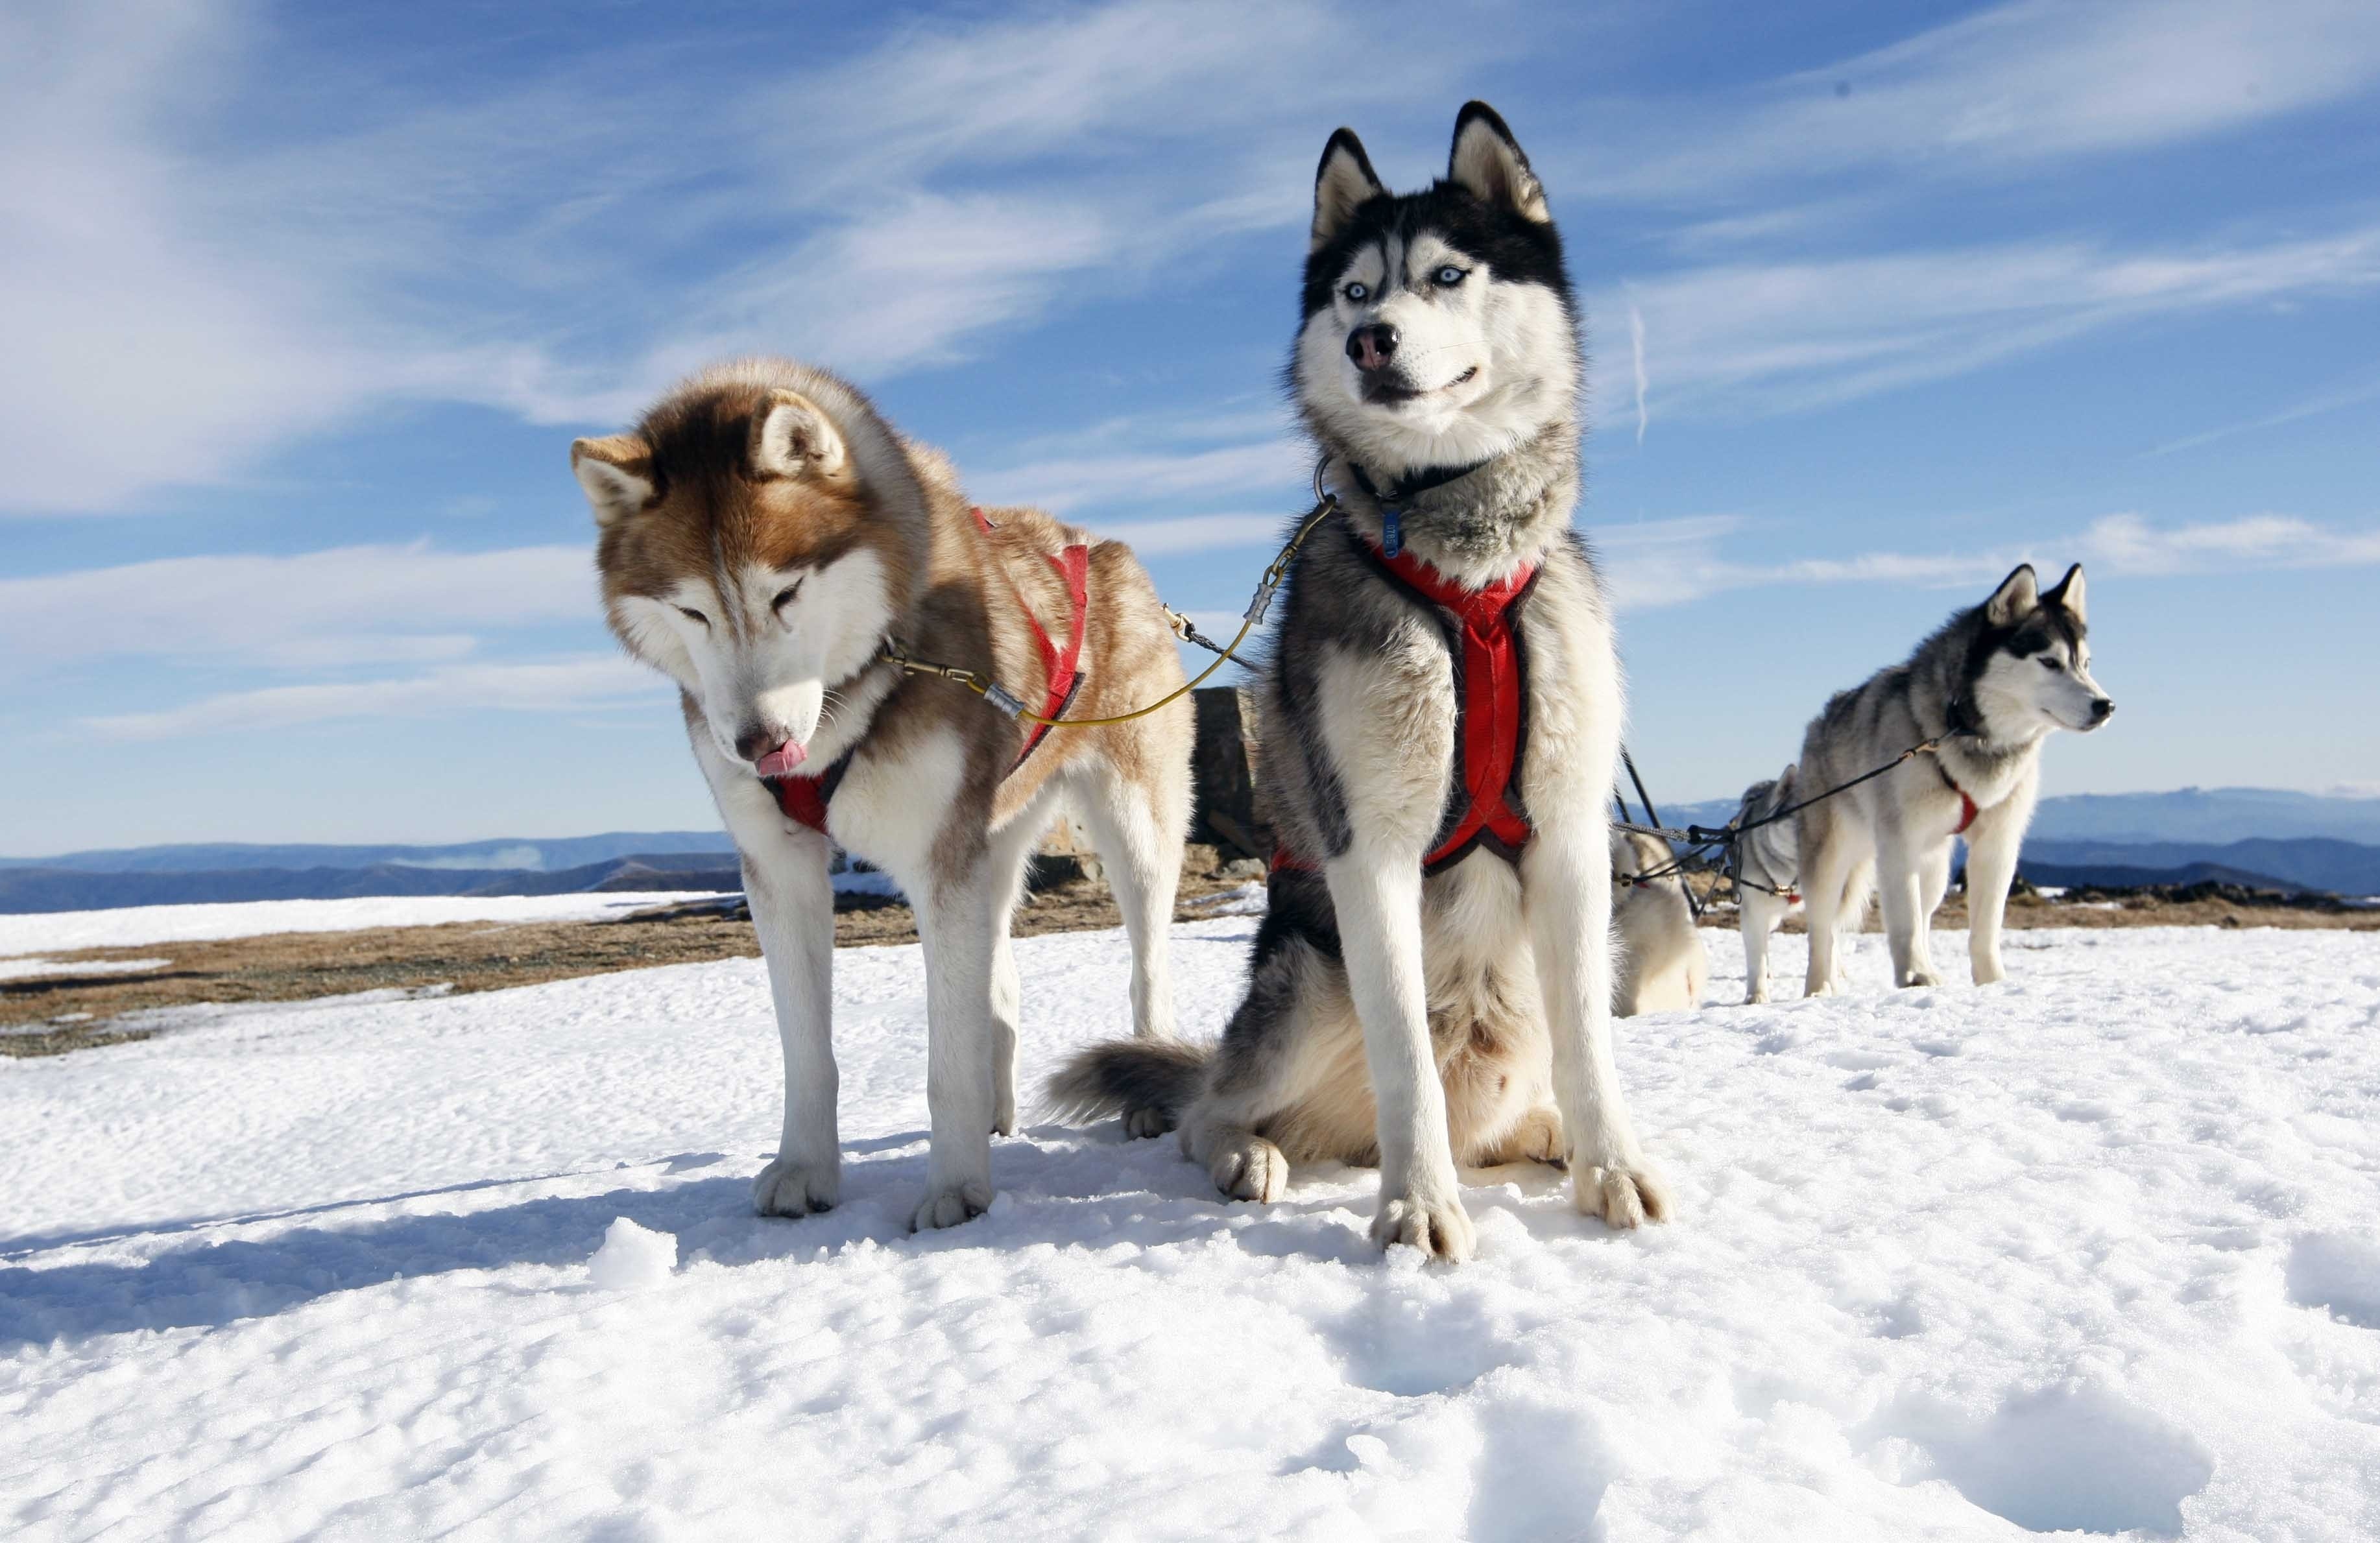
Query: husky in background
x=1432, y=982
x=1766, y=869
x=1663, y=965
x=764, y=534
x=1989, y=686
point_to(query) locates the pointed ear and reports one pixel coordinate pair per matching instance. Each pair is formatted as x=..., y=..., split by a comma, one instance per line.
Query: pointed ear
x=2015, y=599
x=1785, y=778
x=1486, y=163
x=792, y=436
x=2067, y=594
x=617, y=473
x=1344, y=183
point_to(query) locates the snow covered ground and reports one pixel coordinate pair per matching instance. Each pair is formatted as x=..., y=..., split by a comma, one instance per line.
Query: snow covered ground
x=2097, y=1249
x=63, y=930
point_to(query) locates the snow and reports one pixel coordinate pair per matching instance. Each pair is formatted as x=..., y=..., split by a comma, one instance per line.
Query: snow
x=28, y=969
x=140, y=925
x=632, y=1258
x=2093, y=1249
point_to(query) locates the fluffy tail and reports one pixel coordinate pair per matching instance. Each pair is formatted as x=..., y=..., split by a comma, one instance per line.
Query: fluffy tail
x=1126, y=1076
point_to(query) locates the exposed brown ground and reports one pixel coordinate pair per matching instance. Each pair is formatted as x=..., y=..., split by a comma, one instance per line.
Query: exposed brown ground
x=51, y=1013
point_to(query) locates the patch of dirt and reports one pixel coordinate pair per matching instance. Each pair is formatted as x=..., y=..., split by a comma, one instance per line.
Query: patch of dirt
x=48, y=1015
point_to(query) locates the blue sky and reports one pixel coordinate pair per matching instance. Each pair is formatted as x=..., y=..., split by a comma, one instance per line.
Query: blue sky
x=303, y=306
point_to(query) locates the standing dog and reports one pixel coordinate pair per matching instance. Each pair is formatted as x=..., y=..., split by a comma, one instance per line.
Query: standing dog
x=764, y=535
x=1441, y=712
x=1765, y=863
x=1988, y=687
x=1663, y=965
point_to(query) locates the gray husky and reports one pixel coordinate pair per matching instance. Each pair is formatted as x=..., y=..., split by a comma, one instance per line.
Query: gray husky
x=1765, y=863
x=1441, y=713
x=1989, y=686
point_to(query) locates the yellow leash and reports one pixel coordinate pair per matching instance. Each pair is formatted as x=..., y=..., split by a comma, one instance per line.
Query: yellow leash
x=1007, y=701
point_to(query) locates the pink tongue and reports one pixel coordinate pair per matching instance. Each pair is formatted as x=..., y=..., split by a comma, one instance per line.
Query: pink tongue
x=781, y=761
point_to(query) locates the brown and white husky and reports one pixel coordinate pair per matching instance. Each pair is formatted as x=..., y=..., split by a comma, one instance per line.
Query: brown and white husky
x=764, y=536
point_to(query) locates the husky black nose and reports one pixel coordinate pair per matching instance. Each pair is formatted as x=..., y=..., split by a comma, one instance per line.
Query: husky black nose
x=1373, y=347
x=2103, y=709
x=756, y=742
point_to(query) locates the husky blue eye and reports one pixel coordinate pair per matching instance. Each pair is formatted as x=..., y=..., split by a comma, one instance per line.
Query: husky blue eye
x=1357, y=291
x=1450, y=275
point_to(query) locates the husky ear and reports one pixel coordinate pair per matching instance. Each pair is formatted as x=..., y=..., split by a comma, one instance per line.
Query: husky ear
x=1486, y=163
x=2018, y=593
x=794, y=437
x=617, y=473
x=1785, y=778
x=2067, y=594
x=1344, y=183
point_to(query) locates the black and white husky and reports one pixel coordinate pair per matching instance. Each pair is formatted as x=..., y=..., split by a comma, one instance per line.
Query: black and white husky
x=1765, y=863
x=1432, y=984
x=1990, y=686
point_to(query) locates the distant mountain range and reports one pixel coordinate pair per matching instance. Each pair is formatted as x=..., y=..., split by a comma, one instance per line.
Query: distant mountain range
x=2250, y=835
x=2192, y=814
x=25, y=888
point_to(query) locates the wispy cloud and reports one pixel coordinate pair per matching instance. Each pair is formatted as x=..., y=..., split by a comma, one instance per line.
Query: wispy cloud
x=2310, y=407
x=571, y=684
x=1136, y=479
x=1679, y=562
x=2005, y=89
x=343, y=606
x=1777, y=337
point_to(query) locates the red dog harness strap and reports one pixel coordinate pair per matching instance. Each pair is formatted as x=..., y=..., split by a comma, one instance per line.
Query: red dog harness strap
x=805, y=798
x=1967, y=810
x=1491, y=712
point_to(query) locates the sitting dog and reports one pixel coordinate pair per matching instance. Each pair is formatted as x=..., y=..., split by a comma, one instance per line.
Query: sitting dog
x=1663, y=965
x=1986, y=689
x=764, y=540
x=1442, y=710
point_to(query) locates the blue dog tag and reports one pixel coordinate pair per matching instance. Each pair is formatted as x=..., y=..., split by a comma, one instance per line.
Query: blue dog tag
x=1392, y=541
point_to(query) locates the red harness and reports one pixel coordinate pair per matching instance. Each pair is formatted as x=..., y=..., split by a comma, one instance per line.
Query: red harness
x=805, y=798
x=1967, y=810
x=1491, y=712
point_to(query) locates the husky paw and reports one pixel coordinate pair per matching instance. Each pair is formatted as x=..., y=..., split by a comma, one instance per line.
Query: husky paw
x=1625, y=1196
x=1920, y=978
x=1142, y=1123
x=1823, y=988
x=1440, y=1229
x=1003, y=1119
x=790, y=1188
x=1538, y=1137
x=1988, y=973
x=951, y=1205
x=1250, y=1169
x=1757, y=995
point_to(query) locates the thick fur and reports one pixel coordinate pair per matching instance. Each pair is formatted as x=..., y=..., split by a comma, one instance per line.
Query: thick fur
x=1465, y=1017
x=1768, y=873
x=764, y=534
x=1991, y=684
x=1663, y=965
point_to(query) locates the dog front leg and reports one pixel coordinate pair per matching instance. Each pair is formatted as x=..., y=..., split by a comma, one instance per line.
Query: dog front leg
x=1993, y=843
x=792, y=898
x=1566, y=887
x=1377, y=898
x=1899, y=882
x=956, y=926
x=1757, y=915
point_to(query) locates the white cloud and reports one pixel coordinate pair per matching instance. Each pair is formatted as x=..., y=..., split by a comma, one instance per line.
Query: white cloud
x=318, y=609
x=1158, y=538
x=1783, y=337
x=2007, y=89
x=1135, y=479
x=1677, y=562
x=576, y=684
